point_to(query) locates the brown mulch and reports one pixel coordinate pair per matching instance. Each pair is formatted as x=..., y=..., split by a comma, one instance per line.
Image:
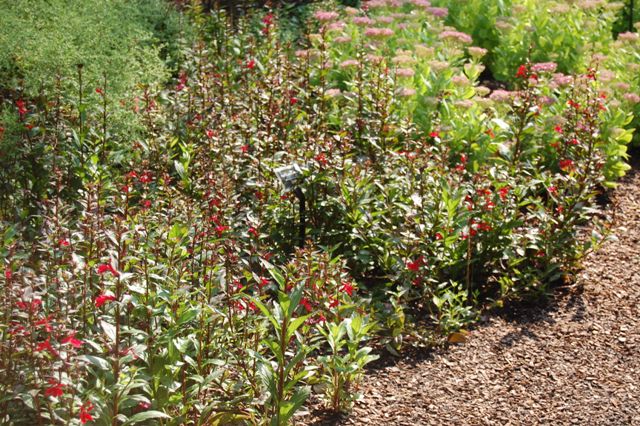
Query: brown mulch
x=575, y=360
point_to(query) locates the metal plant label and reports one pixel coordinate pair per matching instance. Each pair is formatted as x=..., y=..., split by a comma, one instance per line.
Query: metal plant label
x=289, y=175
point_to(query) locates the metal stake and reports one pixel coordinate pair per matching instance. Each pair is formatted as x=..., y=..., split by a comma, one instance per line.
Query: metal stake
x=303, y=216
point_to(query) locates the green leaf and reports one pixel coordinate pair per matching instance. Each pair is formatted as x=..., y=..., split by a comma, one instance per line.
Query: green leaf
x=278, y=277
x=265, y=311
x=109, y=330
x=288, y=409
x=101, y=363
x=146, y=415
x=294, y=325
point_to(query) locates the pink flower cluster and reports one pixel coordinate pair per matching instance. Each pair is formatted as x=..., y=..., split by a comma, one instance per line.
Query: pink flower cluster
x=544, y=67
x=456, y=36
x=405, y=72
x=421, y=3
x=438, y=12
x=324, y=16
x=363, y=20
x=378, y=32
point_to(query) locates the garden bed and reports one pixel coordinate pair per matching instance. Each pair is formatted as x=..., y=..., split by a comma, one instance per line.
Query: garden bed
x=571, y=360
x=215, y=219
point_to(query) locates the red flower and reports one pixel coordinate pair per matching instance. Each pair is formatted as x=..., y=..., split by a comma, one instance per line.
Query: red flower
x=33, y=306
x=268, y=19
x=143, y=406
x=22, y=107
x=46, y=346
x=220, y=229
x=522, y=71
x=55, y=389
x=483, y=226
x=414, y=266
x=553, y=190
x=293, y=100
x=45, y=323
x=503, y=192
x=307, y=305
x=8, y=274
x=71, y=339
x=253, y=307
x=333, y=303
x=558, y=129
x=347, y=287
x=63, y=242
x=251, y=64
x=146, y=204
x=438, y=236
x=99, y=91
x=434, y=134
x=145, y=177
x=85, y=415
x=321, y=158
x=244, y=148
x=104, y=298
x=210, y=133
x=573, y=141
x=253, y=231
x=566, y=164
x=263, y=282
x=107, y=267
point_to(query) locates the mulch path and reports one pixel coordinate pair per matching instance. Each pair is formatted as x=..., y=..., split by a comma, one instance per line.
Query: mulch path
x=574, y=360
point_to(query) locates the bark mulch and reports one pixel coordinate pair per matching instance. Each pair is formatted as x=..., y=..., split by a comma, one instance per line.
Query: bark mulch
x=575, y=360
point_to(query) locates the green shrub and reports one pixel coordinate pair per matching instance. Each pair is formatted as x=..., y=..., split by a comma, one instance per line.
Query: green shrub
x=126, y=41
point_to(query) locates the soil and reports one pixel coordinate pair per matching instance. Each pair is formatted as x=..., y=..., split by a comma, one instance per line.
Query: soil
x=574, y=360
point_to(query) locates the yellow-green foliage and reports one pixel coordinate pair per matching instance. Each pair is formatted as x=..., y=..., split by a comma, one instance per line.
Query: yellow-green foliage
x=122, y=39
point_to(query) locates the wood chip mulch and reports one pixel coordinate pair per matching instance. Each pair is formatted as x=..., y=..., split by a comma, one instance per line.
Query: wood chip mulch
x=573, y=361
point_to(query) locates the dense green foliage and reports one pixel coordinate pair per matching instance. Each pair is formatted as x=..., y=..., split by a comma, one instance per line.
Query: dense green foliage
x=126, y=41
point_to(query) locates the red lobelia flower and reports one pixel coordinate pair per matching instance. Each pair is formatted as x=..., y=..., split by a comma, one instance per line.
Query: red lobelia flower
x=503, y=192
x=522, y=71
x=46, y=346
x=263, y=282
x=107, y=267
x=347, y=287
x=104, y=298
x=71, y=339
x=55, y=389
x=22, y=107
x=85, y=415
x=414, y=266
x=307, y=305
x=566, y=164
